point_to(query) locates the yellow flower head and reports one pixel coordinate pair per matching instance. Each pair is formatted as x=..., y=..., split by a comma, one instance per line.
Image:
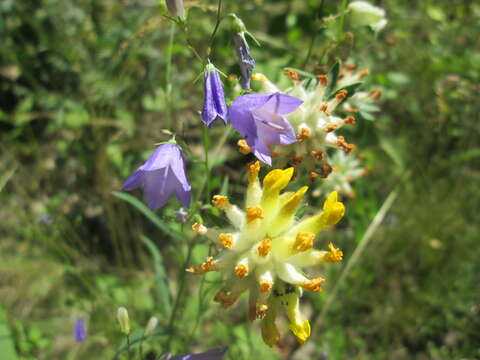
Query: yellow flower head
x=266, y=249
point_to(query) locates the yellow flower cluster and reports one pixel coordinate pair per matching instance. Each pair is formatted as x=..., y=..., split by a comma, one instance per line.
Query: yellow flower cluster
x=266, y=249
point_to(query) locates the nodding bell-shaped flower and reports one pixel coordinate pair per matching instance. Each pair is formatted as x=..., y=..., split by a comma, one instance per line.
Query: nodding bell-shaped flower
x=266, y=248
x=162, y=175
x=260, y=118
x=176, y=8
x=246, y=61
x=362, y=13
x=214, y=102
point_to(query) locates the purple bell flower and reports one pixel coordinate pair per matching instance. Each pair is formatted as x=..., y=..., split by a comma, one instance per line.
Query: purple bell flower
x=216, y=354
x=162, y=175
x=246, y=61
x=259, y=117
x=79, y=330
x=214, y=103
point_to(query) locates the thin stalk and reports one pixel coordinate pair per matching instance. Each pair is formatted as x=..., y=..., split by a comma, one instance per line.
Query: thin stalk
x=129, y=354
x=181, y=280
x=342, y=20
x=206, y=145
x=168, y=74
x=215, y=152
x=313, y=39
x=217, y=24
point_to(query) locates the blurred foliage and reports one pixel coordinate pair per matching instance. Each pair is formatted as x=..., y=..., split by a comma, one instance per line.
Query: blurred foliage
x=86, y=88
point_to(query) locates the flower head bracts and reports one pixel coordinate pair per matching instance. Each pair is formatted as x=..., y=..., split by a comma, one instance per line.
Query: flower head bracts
x=345, y=169
x=214, y=103
x=318, y=118
x=260, y=118
x=162, y=175
x=267, y=247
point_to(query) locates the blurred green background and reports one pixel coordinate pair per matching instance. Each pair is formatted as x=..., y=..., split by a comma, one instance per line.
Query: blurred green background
x=86, y=88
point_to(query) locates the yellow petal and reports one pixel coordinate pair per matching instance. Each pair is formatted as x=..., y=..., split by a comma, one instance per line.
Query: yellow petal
x=276, y=180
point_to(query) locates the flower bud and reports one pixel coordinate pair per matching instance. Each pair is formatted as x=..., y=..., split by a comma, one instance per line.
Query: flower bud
x=151, y=325
x=362, y=13
x=237, y=25
x=122, y=316
x=176, y=9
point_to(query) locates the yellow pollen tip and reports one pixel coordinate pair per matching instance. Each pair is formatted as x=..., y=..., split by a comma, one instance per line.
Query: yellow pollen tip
x=297, y=160
x=341, y=95
x=226, y=240
x=349, y=120
x=305, y=133
x=313, y=176
x=225, y=299
x=325, y=170
x=348, y=148
x=318, y=155
x=220, y=201
x=303, y=241
x=265, y=286
x=291, y=74
x=264, y=247
x=261, y=310
x=209, y=265
x=323, y=80
x=199, y=228
x=314, y=284
x=254, y=213
x=259, y=77
x=243, y=147
x=363, y=73
x=241, y=270
x=330, y=127
x=253, y=170
x=334, y=255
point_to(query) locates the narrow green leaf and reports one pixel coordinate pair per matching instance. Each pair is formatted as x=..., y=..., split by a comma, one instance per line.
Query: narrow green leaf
x=333, y=76
x=150, y=215
x=161, y=277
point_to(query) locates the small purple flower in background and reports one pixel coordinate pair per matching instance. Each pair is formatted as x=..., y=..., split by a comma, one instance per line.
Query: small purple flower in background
x=162, y=175
x=79, y=330
x=259, y=117
x=216, y=354
x=214, y=103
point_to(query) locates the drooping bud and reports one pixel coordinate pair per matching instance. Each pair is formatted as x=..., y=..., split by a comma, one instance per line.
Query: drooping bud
x=176, y=8
x=246, y=61
x=123, y=320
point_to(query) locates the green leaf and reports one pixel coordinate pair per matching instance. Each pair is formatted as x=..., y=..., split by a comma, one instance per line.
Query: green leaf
x=150, y=215
x=7, y=348
x=351, y=90
x=161, y=277
x=333, y=76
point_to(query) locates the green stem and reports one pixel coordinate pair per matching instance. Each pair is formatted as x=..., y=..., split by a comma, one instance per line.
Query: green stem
x=168, y=75
x=206, y=145
x=181, y=281
x=342, y=20
x=217, y=24
x=129, y=354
